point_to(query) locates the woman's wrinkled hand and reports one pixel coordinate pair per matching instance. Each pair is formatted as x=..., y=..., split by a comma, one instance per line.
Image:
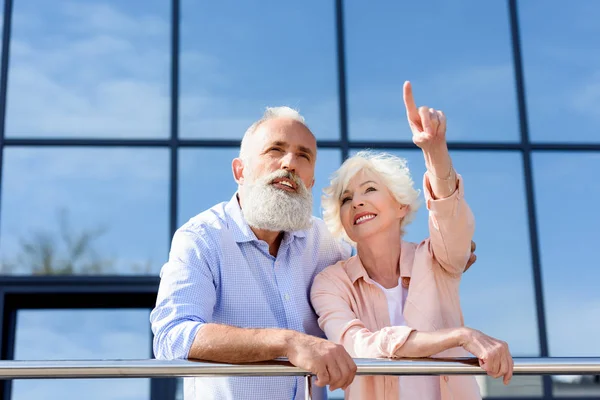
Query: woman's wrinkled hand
x=428, y=125
x=493, y=354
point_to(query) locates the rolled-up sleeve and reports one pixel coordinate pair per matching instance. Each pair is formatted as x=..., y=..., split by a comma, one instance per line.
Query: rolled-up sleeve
x=186, y=297
x=451, y=228
x=341, y=325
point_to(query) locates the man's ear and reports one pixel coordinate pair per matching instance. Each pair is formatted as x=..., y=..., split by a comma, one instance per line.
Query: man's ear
x=312, y=184
x=237, y=167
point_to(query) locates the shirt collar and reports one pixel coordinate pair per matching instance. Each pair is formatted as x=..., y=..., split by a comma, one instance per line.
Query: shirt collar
x=356, y=269
x=240, y=228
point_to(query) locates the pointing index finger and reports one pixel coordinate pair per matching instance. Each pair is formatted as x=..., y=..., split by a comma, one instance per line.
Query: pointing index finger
x=409, y=101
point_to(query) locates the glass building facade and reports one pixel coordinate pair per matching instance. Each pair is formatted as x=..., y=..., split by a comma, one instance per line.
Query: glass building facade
x=119, y=120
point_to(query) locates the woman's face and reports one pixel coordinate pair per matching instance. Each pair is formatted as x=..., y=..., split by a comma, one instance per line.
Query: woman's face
x=368, y=207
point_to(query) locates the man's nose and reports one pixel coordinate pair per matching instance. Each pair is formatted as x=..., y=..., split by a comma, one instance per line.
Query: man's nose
x=288, y=162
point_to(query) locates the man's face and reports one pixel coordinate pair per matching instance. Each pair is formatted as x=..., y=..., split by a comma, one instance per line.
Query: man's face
x=277, y=175
x=286, y=144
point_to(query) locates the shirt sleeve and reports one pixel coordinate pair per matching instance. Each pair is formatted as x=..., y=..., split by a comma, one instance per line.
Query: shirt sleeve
x=186, y=297
x=451, y=228
x=342, y=326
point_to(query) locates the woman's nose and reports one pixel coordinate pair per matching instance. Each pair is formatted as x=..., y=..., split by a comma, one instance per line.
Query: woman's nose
x=358, y=203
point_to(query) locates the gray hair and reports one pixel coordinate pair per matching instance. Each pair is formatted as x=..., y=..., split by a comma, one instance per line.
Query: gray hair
x=393, y=171
x=270, y=113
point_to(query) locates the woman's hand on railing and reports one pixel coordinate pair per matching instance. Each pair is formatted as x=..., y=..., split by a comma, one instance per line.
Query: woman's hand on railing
x=493, y=354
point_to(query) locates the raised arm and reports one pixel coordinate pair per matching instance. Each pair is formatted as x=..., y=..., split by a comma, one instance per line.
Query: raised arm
x=183, y=326
x=341, y=325
x=451, y=222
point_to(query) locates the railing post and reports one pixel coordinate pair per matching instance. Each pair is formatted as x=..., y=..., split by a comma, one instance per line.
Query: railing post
x=307, y=387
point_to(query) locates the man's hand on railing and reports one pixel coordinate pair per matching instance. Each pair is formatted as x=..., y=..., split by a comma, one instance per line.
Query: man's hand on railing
x=493, y=354
x=330, y=362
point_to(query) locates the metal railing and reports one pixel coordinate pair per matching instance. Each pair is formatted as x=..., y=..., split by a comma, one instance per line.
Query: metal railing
x=281, y=367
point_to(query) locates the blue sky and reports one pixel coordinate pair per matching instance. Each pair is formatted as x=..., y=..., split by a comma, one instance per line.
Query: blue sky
x=101, y=69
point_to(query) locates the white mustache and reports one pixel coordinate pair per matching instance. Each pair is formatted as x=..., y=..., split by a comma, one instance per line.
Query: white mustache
x=279, y=174
x=267, y=207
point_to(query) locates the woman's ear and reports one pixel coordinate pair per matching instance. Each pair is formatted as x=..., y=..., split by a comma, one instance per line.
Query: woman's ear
x=237, y=167
x=403, y=210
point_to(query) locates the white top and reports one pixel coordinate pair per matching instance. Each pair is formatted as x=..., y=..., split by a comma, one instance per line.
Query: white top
x=425, y=387
x=396, y=297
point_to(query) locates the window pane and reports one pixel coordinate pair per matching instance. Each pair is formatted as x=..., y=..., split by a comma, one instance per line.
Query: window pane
x=84, y=210
x=80, y=335
x=456, y=54
x=523, y=386
x=206, y=178
x=560, y=42
x=329, y=161
x=566, y=189
x=239, y=57
x=89, y=69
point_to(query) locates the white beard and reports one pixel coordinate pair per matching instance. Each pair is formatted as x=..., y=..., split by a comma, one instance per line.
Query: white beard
x=266, y=207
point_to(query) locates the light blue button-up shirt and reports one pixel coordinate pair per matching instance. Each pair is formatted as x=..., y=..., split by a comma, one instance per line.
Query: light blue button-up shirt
x=219, y=272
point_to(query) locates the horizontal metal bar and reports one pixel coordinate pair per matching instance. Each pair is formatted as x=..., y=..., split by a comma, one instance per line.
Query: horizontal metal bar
x=67, y=142
x=131, y=142
x=395, y=145
x=178, y=368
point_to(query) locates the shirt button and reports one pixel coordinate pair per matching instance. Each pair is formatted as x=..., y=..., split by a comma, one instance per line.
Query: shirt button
x=446, y=378
x=286, y=296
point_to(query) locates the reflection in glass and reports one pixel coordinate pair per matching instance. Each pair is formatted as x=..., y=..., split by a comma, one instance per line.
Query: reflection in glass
x=520, y=386
x=179, y=389
x=84, y=211
x=235, y=61
x=566, y=189
x=560, y=45
x=328, y=161
x=207, y=179
x=79, y=335
x=456, y=54
x=89, y=69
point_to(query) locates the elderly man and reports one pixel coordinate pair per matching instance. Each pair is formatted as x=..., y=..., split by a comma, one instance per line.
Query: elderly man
x=235, y=287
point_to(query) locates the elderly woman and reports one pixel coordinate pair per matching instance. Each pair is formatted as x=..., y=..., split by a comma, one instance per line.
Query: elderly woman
x=397, y=299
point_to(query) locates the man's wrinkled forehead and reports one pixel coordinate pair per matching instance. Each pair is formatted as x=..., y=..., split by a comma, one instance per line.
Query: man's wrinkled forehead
x=285, y=131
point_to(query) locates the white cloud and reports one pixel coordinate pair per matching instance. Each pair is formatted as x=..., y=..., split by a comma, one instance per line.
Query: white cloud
x=107, y=18
x=118, y=334
x=584, y=100
x=575, y=329
x=489, y=307
x=110, y=80
x=478, y=100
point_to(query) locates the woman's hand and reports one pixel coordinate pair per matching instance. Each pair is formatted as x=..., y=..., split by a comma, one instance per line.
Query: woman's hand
x=493, y=354
x=428, y=126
